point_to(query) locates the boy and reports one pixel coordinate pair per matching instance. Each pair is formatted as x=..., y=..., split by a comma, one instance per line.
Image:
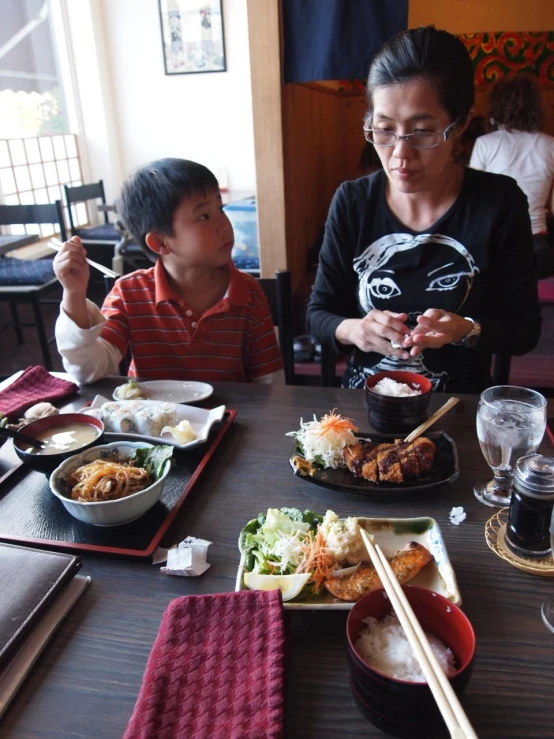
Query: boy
x=193, y=315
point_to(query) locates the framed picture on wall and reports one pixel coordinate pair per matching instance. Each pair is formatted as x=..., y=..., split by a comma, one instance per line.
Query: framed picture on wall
x=192, y=36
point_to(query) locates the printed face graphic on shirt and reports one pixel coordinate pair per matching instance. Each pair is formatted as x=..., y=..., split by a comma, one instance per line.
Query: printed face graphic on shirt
x=409, y=274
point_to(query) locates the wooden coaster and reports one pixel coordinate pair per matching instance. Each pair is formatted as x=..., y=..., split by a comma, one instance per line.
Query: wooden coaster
x=495, y=534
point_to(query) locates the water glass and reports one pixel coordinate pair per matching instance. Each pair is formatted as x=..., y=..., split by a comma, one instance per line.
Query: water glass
x=511, y=422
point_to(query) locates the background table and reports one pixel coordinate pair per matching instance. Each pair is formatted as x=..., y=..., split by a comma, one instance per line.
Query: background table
x=10, y=242
x=86, y=681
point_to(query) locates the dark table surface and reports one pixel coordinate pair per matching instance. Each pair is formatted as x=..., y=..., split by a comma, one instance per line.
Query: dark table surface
x=86, y=681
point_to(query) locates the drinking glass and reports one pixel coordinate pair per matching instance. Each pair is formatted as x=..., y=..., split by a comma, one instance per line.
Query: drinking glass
x=510, y=423
x=547, y=609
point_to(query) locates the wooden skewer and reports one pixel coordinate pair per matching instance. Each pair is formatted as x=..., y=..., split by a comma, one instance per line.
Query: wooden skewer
x=57, y=245
x=450, y=707
x=430, y=421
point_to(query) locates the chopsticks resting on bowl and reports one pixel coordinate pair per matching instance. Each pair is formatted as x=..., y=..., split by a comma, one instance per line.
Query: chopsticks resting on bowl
x=431, y=420
x=450, y=707
x=56, y=244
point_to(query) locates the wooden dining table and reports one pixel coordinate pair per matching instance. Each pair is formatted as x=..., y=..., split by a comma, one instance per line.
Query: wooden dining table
x=86, y=681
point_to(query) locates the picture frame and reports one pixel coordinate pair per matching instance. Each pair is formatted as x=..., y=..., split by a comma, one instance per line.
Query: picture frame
x=193, y=36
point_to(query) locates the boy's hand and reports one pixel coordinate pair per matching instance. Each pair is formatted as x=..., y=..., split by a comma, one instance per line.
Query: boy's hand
x=71, y=267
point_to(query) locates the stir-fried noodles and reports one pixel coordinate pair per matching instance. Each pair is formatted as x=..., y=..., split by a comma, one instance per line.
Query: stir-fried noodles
x=104, y=480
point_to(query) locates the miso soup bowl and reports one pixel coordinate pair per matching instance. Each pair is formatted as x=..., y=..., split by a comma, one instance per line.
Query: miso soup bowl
x=390, y=414
x=53, y=425
x=107, y=512
x=396, y=706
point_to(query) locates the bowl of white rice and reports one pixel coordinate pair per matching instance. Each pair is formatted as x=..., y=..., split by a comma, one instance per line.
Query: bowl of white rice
x=397, y=401
x=386, y=680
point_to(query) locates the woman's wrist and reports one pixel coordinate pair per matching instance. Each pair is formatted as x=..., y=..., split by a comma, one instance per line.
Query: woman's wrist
x=342, y=332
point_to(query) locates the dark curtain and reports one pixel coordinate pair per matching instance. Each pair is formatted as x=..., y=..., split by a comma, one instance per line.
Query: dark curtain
x=336, y=39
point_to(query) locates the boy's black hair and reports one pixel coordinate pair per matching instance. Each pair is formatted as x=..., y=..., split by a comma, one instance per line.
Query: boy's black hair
x=151, y=195
x=425, y=53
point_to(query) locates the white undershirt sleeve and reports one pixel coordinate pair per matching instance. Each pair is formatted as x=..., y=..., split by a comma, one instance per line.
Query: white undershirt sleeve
x=85, y=354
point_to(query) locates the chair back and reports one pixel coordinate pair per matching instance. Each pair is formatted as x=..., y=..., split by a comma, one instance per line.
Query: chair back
x=30, y=214
x=278, y=291
x=82, y=193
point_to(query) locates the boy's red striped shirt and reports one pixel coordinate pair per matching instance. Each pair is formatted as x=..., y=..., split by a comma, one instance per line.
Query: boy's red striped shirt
x=232, y=341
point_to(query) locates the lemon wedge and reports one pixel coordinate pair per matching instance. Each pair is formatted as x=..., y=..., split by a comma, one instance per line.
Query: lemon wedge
x=289, y=585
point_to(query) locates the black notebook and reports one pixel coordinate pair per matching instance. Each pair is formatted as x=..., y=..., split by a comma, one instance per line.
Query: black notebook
x=38, y=589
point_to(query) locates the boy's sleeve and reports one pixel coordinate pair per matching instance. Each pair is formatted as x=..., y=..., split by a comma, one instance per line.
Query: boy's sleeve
x=265, y=356
x=85, y=355
x=116, y=326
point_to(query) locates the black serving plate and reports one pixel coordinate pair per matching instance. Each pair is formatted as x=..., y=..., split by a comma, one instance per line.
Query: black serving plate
x=445, y=470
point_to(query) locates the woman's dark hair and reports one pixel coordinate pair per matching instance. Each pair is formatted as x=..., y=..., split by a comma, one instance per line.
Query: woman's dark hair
x=425, y=53
x=152, y=194
x=515, y=103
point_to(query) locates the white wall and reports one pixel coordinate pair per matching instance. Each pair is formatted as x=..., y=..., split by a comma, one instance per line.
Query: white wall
x=134, y=112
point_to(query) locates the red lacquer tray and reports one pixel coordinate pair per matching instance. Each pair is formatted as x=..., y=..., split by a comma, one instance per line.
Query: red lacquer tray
x=30, y=514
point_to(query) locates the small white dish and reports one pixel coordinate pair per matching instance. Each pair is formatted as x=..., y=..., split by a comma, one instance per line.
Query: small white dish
x=393, y=534
x=107, y=512
x=172, y=391
x=200, y=419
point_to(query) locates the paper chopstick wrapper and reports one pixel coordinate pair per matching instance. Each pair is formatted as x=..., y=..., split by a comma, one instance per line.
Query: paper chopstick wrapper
x=187, y=559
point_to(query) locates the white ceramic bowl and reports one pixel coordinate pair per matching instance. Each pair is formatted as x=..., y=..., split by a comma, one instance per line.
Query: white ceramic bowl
x=109, y=512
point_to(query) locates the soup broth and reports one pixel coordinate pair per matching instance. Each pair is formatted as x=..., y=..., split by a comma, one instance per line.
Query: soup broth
x=65, y=438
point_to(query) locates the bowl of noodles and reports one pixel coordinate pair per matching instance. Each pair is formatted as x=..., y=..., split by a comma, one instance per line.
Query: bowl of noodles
x=112, y=484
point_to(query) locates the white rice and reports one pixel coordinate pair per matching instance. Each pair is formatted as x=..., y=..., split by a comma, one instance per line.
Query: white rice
x=457, y=515
x=387, y=386
x=384, y=646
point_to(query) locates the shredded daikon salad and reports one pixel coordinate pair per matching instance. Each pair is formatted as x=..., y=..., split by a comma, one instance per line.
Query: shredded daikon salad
x=324, y=441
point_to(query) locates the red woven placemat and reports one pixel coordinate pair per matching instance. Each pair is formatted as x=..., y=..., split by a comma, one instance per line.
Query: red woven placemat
x=215, y=670
x=35, y=385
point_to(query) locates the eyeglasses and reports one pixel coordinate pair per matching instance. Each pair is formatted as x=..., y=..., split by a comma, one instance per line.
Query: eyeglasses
x=423, y=140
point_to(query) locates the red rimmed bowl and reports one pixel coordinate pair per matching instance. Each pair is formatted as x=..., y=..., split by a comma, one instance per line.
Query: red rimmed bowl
x=397, y=706
x=391, y=414
x=93, y=429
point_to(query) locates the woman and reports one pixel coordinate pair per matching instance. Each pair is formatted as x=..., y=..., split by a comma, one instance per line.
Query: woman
x=425, y=266
x=519, y=149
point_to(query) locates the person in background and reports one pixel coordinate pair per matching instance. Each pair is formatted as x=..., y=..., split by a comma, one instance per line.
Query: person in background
x=193, y=315
x=426, y=265
x=520, y=150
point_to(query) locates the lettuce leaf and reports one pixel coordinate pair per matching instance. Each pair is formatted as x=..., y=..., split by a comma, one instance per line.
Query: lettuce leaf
x=152, y=459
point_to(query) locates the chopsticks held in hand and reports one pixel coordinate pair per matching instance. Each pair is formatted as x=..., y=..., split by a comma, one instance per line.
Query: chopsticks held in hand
x=450, y=707
x=431, y=420
x=57, y=245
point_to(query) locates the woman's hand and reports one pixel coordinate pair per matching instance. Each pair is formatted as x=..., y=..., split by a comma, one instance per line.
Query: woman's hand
x=71, y=267
x=435, y=329
x=375, y=332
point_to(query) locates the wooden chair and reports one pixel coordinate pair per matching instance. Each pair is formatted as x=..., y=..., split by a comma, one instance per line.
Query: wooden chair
x=278, y=291
x=106, y=233
x=28, y=281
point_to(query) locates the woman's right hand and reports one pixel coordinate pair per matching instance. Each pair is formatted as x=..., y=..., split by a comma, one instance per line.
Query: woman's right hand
x=71, y=267
x=375, y=332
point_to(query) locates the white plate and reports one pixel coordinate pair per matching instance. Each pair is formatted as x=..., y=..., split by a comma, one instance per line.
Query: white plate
x=200, y=419
x=172, y=391
x=393, y=534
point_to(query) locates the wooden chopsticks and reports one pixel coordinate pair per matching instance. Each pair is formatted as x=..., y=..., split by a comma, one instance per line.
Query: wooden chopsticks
x=450, y=403
x=57, y=245
x=450, y=707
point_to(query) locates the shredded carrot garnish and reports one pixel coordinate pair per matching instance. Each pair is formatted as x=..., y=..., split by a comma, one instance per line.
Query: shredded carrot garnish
x=334, y=422
x=316, y=560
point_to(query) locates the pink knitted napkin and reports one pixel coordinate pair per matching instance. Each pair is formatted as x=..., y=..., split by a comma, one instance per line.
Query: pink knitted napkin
x=35, y=385
x=215, y=670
